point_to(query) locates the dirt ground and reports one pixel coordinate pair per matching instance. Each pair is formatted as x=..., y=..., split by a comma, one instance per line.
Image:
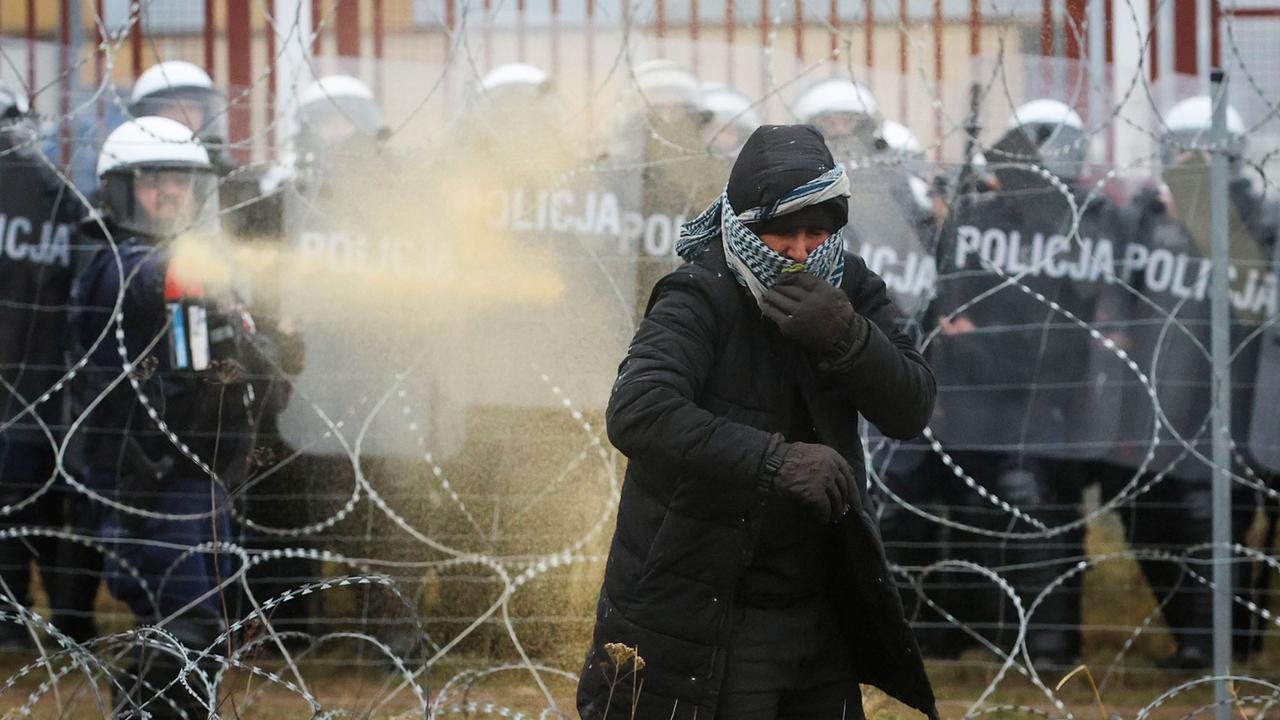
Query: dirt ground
x=365, y=693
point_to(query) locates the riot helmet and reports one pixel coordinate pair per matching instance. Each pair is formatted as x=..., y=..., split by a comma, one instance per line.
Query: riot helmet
x=13, y=103
x=846, y=114
x=899, y=142
x=733, y=119
x=514, y=84
x=337, y=114
x=1057, y=133
x=180, y=91
x=156, y=180
x=669, y=93
x=15, y=117
x=514, y=101
x=1189, y=126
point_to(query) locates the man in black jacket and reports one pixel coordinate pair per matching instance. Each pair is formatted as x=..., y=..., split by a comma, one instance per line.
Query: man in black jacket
x=745, y=572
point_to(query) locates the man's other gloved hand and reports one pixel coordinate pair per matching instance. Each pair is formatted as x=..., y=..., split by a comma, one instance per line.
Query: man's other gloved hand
x=819, y=478
x=809, y=310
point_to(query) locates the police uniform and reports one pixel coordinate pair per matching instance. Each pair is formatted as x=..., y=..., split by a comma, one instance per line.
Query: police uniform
x=1015, y=391
x=38, y=258
x=1166, y=333
x=165, y=402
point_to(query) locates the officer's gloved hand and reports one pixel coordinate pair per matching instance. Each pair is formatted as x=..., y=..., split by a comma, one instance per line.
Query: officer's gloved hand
x=810, y=311
x=819, y=478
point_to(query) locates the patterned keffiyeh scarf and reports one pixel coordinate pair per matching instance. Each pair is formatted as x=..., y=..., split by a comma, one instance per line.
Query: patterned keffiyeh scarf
x=754, y=264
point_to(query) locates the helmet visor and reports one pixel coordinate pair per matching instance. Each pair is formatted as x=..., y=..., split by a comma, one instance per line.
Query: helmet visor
x=203, y=110
x=849, y=135
x=18, y=132
x=1062, y=149
x=162, y=201
x=337, y=120
x=1176, y=143
x=515, y=95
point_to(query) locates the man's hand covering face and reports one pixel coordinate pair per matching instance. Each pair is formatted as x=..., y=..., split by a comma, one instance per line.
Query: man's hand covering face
x=809, y=310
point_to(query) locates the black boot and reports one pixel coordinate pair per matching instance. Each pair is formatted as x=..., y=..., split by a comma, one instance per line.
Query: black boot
x=14, y=638
x=1187, y=657
x=73, y=589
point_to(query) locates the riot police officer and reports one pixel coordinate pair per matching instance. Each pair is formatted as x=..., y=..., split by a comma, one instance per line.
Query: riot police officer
x=895, y=234
x=889, y=225
x=662, y=132
x=338, y=129
x=164, y=404
x=338, y=121
x=184, y=92
x=1161, y=316
x=512, y=121
x=847, y=115
x=330, y=204
x=890, y=222
x=38, y=212
x=1017, y=276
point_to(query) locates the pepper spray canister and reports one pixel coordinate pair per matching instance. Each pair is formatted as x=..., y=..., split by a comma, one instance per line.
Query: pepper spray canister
x=188, y=313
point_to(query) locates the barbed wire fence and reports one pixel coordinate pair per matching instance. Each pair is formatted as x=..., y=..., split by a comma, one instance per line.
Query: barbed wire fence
x=423, y=523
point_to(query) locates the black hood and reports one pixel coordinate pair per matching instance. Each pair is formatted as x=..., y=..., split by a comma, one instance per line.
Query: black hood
x=777, y=159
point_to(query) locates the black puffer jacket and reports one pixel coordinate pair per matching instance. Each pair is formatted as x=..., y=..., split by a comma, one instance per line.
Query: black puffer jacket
x=698, y=406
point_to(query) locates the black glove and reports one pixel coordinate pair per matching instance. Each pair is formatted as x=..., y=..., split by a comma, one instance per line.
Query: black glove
x=809, y=310
x=819, y=478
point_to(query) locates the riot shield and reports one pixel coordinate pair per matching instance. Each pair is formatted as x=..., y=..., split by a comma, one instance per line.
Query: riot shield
x=663, y=175
x=359, y=350
x=1019, y=277
x=1162, y=320
x=893, y=231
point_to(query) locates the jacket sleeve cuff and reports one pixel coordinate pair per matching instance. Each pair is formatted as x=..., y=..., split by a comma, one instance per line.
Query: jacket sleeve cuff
x=846, y=351
x=774, y=455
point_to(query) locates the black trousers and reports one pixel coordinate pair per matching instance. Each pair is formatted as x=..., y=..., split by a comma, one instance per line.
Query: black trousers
x=1045, y=489
x=788, y=664
x=286, y=498
x=69, y=571
x=1174, y=515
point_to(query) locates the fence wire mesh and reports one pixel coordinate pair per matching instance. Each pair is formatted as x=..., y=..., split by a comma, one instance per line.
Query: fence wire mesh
x=339, y=449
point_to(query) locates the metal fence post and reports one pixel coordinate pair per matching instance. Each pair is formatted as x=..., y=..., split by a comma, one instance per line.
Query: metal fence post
x=293, y=43
x=71, y=35
x=1221, y=353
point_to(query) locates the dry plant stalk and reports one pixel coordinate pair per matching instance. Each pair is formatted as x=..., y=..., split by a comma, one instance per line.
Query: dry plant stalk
x=624, y=657
x=1097, y=695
